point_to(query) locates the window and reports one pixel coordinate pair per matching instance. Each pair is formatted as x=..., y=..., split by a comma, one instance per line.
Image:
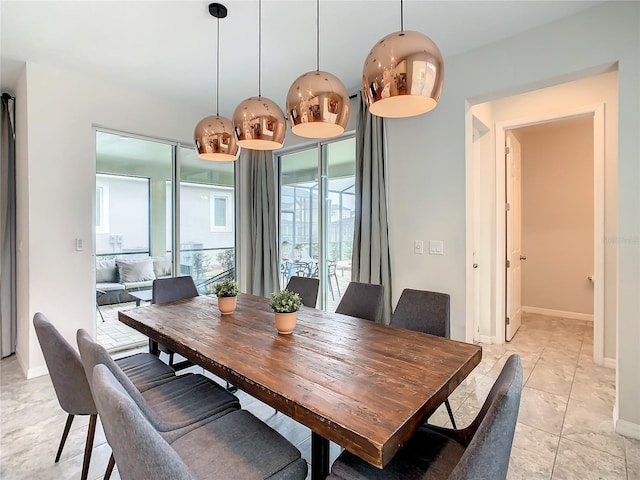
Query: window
x=317, y=214
x=221, y=217
x=102, y=205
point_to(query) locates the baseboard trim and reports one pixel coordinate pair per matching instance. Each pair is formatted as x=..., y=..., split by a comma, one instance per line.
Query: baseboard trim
x=37, y=372
x=623, y=427
x=486, y=339
x=609, y=362
x=559, y=313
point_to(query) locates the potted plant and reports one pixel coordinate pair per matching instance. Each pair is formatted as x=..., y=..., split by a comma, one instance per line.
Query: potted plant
x=227, y=293
x=285, y=305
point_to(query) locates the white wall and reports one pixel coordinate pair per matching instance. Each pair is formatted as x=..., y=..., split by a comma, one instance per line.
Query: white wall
x=56, y=182
x=427, y=161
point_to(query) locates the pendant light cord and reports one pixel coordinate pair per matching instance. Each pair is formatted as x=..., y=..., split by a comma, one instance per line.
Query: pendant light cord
x=260, y=48
x=218, y=71
x=317, y=35
x=401, y=16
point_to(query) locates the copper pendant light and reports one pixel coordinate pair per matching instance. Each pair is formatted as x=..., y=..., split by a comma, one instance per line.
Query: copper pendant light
x=213, y=135
x=317, y=102
x=403, y=74
x=259, y=122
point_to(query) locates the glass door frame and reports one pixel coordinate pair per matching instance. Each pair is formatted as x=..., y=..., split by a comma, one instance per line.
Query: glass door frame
x=323, y=189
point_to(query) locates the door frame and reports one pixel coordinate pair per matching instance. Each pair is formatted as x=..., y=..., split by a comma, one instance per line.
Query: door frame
x=496, y=219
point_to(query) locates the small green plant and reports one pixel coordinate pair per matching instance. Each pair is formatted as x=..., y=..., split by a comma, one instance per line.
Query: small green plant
x=226, y=288
x=285, y=301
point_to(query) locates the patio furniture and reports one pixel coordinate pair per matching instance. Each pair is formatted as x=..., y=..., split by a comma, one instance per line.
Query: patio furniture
x=362, y=300
x=331, y=273
x=480, y=451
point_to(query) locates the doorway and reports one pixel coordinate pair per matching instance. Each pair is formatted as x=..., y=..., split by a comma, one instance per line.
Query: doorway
x=491, y=328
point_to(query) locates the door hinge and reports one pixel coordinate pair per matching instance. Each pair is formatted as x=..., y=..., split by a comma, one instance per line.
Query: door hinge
x=506, y=150
x=508, y=263
x=508, y=321
x=507, y=206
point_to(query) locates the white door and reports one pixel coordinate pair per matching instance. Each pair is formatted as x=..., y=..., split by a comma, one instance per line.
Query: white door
x=514, y=236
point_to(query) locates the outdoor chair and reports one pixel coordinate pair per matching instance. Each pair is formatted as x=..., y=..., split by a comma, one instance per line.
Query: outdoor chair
x=426, y=312
x=331, y=274
x=480, y=451
x=306, y=287
x=362, y=300
x=237, y=445
x=167, y=290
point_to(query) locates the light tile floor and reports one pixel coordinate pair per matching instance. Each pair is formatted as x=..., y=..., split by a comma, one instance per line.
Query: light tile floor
x=564, y=429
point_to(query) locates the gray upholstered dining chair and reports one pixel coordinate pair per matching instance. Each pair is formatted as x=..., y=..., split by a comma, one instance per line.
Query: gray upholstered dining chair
x=174, y=406
x=480, y=451
x=306, y=287
x=167, y=290
x=237, y=445
x=69, y=382
x=426, y=312
x=362, y=300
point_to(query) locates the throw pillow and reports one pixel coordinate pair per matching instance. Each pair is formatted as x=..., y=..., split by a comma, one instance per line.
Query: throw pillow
x=135, y=270
x=106, y=270
x=162, y=266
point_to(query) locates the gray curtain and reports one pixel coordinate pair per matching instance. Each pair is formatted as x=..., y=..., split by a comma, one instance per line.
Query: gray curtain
x=371, y=261
x=8, y=317
x=262, y=258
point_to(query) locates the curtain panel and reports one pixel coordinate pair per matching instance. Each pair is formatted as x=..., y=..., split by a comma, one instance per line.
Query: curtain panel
x=8, y=316
x=371, y=262
x=262, y=268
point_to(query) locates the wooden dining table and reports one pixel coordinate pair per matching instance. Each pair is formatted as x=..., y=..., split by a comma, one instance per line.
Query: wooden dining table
x=365, y=386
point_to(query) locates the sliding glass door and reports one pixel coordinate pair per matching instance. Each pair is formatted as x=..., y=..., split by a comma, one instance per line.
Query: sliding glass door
x=151, y=197
x=317, y=216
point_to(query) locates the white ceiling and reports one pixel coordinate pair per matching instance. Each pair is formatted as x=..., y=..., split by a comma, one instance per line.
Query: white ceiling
x=169, y=46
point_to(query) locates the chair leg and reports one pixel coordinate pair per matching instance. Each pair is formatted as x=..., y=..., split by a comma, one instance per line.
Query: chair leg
x=110, y=465
x=171, y=359
x=448, y=405
x=88, y=448
x=67, y=427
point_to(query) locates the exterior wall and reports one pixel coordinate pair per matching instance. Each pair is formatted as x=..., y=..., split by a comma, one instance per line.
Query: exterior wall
x=557, y=216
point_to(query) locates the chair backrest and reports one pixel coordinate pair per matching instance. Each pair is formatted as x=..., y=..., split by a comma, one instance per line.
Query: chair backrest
x=139, y=450
x=423, y=311
x=93, y=354
x=362, y=300
x=306, y=287
x=487, y=454
x=65, y=369
x=173, y=288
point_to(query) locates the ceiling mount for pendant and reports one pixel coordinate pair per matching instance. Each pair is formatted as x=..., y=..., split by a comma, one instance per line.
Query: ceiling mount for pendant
x=213, y=136
x=403, y=74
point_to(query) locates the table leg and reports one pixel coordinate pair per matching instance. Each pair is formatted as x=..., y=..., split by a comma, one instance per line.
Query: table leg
x=319, y=457
x=153, y=348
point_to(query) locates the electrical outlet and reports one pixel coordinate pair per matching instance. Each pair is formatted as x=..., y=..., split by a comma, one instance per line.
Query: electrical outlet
x=418, y=247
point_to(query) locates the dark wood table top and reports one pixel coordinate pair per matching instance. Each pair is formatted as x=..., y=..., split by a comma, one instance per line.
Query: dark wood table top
x=362, y=385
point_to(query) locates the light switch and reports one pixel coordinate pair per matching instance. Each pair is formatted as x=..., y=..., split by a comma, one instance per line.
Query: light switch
x=418, y=247
x=436, y=247
x=79, y=244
